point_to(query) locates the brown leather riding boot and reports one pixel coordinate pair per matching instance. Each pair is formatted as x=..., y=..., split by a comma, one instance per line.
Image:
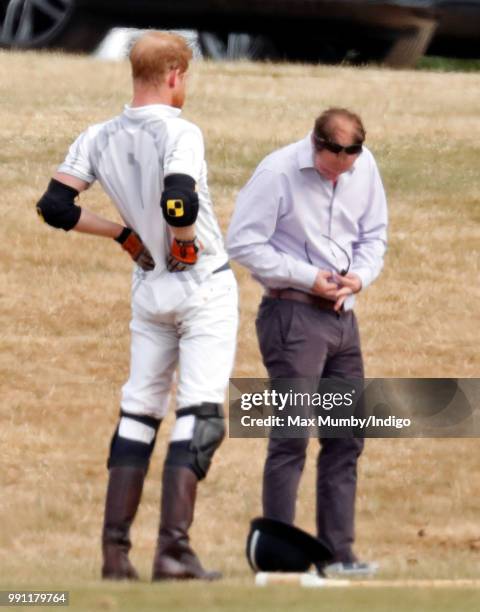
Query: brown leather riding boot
x=123, y=496
x=174, y=558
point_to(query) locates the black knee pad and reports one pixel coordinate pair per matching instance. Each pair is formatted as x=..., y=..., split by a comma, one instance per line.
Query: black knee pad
x=126, y=451
x=208, y=433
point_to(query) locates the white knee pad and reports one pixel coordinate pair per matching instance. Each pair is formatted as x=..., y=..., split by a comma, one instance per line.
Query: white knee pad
x=133, y=441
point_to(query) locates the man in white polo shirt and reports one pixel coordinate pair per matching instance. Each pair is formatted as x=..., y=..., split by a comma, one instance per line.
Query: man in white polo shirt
x=151, y=163
x=311, y=226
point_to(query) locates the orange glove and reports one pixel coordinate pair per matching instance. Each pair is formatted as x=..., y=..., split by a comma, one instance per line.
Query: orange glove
x=183, y=255
x=132, y=243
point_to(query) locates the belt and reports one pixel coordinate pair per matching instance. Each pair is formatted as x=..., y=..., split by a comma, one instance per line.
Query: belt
x=225, y=266
x=301, y=296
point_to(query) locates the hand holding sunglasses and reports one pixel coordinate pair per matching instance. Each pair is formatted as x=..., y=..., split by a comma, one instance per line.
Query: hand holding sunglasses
x=348, y=284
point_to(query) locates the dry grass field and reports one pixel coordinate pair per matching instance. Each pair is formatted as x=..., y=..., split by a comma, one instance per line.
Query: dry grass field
x=64, y=308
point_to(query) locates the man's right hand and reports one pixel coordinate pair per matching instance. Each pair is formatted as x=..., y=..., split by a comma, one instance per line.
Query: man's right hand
x=132, y=243
x=183, y=254
x=324, y=286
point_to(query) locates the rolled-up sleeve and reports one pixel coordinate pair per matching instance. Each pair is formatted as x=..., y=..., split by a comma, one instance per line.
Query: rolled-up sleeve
x=252, y=226
x=369, y=249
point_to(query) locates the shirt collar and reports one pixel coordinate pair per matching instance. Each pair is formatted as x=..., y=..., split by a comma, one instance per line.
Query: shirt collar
x=305, y=152
x=158, y=109
x=305, y=155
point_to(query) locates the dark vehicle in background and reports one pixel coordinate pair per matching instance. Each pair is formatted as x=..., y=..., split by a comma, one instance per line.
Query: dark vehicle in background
x=458, y=31
x=394, y=32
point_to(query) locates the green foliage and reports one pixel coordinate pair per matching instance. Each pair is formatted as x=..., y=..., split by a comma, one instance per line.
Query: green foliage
x=448, y=64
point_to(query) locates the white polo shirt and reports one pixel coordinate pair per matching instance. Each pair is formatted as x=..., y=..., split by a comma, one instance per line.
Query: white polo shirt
x=130, y=155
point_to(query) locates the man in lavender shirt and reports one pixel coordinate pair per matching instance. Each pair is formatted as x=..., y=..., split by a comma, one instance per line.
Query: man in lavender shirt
x=311, y=227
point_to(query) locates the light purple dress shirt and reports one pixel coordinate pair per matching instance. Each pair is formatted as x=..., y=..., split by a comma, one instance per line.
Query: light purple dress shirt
x=289, y=221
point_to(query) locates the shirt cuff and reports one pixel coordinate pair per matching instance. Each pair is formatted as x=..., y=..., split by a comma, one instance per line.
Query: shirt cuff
x=349, y=302
x=304, y=275
x=364, y=274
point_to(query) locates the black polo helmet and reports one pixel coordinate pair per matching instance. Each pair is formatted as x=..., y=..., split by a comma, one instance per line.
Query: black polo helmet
x=274, y=546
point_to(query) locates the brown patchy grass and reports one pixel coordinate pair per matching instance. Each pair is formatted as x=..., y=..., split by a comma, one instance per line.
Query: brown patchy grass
x=65, y=308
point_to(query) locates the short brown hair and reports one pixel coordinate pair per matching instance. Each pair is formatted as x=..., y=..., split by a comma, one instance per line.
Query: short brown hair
x=326, y=124
x=154, y=54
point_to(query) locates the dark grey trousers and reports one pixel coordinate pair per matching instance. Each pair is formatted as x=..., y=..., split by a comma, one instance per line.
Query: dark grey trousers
x=298, y=340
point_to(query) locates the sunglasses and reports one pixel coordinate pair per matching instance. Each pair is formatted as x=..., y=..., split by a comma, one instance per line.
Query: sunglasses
x=344, y=270
x=334, y=147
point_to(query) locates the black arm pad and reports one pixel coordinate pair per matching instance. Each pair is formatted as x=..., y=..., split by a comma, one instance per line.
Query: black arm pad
x=56, y=207
x=179, y=200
